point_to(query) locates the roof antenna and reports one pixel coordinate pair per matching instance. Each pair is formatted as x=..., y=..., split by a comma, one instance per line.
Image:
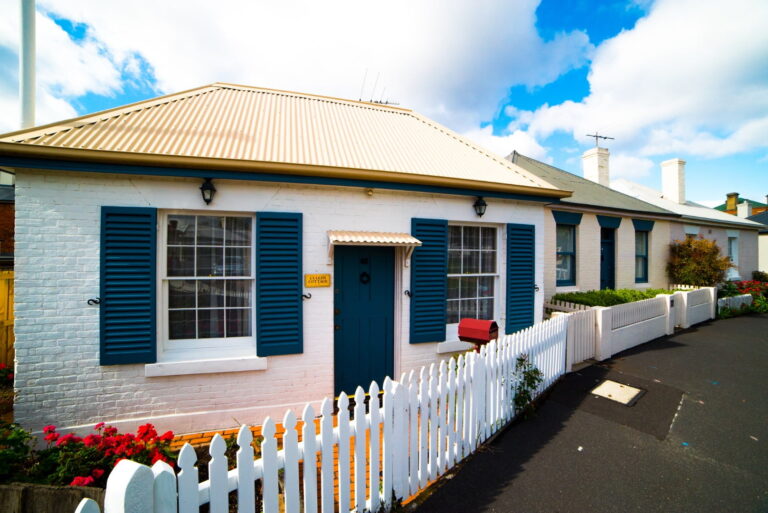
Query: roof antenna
x=597, y=136
x=360, y=98
x=373, y=92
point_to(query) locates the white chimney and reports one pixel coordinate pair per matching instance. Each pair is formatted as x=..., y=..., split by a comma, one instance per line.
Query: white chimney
x=27, y=64
x=673, y=180
x=594, y=163
x=744, y=209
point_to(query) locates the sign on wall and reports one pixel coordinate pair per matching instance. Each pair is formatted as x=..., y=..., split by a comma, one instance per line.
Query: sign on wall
x=317, y=280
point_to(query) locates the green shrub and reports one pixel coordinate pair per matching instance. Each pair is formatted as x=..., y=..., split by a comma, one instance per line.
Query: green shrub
x=696, y=262
x=528, y=379
x=760, y=304
x=15, y=451
x=728, y=289
x=759, y=276
x=609, y=297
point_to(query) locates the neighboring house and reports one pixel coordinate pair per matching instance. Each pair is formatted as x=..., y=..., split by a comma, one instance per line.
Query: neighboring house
x=742, y=207
x=208, y=316
x=7, y=194
x=762, y=241
x=599, y=238
x=736, y=237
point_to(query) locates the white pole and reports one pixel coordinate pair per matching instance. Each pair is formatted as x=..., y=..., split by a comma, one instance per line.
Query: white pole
x=27, y=63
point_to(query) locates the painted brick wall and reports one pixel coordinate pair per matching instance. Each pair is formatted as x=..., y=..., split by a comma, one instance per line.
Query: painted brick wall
x=748, y=245
x=57, y=270
x=588, y=255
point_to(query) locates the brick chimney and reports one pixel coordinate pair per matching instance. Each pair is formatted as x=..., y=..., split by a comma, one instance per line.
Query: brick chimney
x=594, y=164
x=673, y=180
x=731, y=200
x=744, y=209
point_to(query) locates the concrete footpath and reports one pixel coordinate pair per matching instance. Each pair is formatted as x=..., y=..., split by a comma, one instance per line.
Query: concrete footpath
x=696, y=441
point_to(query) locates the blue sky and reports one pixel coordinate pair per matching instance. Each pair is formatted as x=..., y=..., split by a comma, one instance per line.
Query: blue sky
x=532, y=76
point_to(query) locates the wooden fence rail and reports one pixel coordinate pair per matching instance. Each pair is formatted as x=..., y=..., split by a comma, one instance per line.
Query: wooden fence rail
x=6, y=318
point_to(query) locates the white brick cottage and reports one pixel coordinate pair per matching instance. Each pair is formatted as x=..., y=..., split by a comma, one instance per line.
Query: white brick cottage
x=136, y=301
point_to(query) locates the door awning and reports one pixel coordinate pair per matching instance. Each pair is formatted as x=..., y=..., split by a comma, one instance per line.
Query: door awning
x=358, y=238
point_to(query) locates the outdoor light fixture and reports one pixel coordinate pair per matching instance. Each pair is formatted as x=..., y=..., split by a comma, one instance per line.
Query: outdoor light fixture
x=208, y=191
x=480, y=205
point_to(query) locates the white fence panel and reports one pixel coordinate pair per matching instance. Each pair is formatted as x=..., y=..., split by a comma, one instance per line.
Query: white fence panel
x=734, y=302
x=700, y=305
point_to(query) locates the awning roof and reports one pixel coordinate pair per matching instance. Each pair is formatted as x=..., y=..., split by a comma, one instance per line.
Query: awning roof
x=354, y=238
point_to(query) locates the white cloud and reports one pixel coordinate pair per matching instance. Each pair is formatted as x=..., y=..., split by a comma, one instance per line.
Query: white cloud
x=709, y=203
x=691, y=77
x=453, y=61
x=629, y=166
x=519, y=141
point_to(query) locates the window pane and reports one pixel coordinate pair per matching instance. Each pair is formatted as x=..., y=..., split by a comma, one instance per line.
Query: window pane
x=239, y=293
x=238, y=261
x=639, y=268
x=181, y=324
x=181, y=230
x=210, y=261
x=239, y=322
x=210, y=323
x=454, y=237
x=181, y=294
x=488, y=262
x=471, y=237
x=468, y=288
x=210, y=230
x=453, y=312
x=489, y=238
x=641, y=245
x=454, y=262
x=468, y=308
x=565, y=238
x=453, y=288
x=485, y=286
x=470, y=262
x=181, y=261
x=238, y=231
x=564, y=269
x=210, y=293
x=485, y=309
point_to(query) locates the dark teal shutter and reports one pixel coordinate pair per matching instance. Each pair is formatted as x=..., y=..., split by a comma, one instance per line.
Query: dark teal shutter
x=128, y=285
x=521, y=257
x=429, y=280
x=279, y=323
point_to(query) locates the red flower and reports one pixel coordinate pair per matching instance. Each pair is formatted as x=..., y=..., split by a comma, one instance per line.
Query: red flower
x=167, y=436
x=68, y=438
x=51, y=437
x=99, y=425
x=49, y=429
x=146, y=432
x=2, y=366
x=82, y=481
x=110, y=431
x=97, y=473
x=92, y=440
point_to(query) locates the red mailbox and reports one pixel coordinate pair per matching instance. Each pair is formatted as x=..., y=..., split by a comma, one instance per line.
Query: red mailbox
x=477, y=331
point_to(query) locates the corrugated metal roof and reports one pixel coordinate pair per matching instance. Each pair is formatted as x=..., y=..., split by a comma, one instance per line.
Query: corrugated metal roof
x=341, y=238
x=585, y=192
x=225, y=121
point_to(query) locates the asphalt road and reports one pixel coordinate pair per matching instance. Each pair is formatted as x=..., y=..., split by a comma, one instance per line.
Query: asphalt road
x=696, y=441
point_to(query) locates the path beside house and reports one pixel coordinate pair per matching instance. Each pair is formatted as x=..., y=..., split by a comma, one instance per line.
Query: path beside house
x=583, y=453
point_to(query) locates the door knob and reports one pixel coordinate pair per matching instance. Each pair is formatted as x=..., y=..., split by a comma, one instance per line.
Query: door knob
x=336, y=327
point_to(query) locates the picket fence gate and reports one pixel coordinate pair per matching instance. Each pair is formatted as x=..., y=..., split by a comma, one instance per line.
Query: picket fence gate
x=427, y=422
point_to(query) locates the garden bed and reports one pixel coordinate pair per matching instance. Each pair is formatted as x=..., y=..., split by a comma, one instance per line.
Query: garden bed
x=609, y=297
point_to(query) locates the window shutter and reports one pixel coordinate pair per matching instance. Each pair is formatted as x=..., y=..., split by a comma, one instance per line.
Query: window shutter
x=279, y=319
x=128, y=285
x=521, y=256
x=429, y=280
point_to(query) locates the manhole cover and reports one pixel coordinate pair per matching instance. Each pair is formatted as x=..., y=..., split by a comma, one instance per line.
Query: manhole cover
x=614, y=391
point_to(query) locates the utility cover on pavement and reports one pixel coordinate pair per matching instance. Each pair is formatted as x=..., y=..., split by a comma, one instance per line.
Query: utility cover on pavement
x=614, y=391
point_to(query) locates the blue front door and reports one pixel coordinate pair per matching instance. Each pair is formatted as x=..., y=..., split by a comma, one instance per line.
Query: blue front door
x=364, y=300
x=607, y=258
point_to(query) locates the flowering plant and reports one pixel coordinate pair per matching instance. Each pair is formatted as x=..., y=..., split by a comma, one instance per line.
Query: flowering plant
x=6, y=376
x=87, y=461
x=756, y=288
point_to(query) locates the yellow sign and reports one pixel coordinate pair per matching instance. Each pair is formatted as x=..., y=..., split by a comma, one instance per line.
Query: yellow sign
x=317, y=280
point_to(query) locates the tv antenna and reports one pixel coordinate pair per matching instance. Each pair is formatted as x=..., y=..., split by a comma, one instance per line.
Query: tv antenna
x=597, y=136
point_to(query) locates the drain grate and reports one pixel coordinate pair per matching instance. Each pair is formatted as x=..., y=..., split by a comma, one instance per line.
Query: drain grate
x=618, y=392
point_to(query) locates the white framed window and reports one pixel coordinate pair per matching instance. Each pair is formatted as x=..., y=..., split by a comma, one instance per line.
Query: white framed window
x=473, y=274
x=207, y=280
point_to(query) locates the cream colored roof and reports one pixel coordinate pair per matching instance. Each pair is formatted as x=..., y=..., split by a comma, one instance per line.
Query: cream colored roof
x=232, y=125
x=347, y=238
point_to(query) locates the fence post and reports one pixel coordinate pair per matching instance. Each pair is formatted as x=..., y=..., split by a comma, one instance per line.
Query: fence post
x=165, y=488
x=681, y=309
x=568, y=341
x=712, y=302
x=603, y=326
x=130, y=489
x=668, y=312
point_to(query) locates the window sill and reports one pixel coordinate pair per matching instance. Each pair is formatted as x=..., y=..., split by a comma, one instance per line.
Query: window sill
x=212, y=366
x=453, y=346
x=566, y=288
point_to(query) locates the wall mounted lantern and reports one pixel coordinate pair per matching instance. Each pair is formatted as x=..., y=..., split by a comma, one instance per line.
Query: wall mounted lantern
x=208, y=191
x=480, y=206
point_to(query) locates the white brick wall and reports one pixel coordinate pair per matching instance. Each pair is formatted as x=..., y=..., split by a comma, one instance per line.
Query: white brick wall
x=588, y=255
x=748, y=244
x=57, y=270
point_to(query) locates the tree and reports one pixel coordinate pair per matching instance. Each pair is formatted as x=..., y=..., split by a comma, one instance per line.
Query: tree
x=696, y=262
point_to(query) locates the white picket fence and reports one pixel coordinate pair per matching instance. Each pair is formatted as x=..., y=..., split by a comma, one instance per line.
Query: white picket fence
x=427, y=422
x=734, y=302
